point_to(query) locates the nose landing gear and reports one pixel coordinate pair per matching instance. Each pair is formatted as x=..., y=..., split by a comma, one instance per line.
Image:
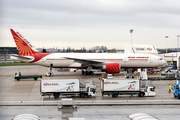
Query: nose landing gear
x=49, y=73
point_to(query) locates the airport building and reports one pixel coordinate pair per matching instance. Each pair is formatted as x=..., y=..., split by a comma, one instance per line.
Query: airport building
x=172, y=58
x=7, y=50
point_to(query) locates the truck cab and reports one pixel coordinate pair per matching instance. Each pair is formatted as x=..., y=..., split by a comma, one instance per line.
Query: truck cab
x=17, y=74
x=177, y=89
x=109, y=76
x=91, y=90
x=150, y=91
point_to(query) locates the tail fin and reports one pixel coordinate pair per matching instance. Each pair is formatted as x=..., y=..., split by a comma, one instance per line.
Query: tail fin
x=23, y=46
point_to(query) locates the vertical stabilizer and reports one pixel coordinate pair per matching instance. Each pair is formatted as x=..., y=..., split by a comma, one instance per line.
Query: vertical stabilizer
x=23, y=46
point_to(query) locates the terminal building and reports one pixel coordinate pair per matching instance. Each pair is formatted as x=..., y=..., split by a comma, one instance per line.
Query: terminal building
x=172, y=58
x=7, y=50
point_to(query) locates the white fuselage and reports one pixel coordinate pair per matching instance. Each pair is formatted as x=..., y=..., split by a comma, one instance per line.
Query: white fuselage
x=61, y=60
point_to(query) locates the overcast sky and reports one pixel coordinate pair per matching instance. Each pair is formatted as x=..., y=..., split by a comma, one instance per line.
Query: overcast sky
x=89, y=23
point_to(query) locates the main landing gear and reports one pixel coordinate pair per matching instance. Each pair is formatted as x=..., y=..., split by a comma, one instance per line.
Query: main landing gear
x=87, y=72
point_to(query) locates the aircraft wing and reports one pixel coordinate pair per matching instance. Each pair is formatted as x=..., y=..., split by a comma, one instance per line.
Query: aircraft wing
x=84, y=61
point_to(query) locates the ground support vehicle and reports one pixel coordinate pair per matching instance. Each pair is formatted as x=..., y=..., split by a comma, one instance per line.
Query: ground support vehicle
x=106, y=76
x=49, y=74
x=66, y=87
x=18, y=76
x=177, y=88
x=125, y=87
x=178, y=73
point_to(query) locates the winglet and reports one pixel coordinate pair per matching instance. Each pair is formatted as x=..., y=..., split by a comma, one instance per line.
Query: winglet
x=23, y=46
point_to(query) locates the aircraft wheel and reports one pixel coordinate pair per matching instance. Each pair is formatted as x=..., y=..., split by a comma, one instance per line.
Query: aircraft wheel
x=92, y=73
x=82, y=72
x=85, y=73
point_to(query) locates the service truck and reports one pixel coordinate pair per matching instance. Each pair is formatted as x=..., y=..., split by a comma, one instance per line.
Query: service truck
x=18, y=76
x=106, y=76
x=177, y=88
x=126, y=86
x=66, y=87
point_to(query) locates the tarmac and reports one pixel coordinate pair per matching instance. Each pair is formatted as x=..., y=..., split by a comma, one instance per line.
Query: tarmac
x=20, y=97
x=29, y=90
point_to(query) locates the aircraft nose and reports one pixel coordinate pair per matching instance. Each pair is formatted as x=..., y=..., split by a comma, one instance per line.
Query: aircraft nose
x=164, y=62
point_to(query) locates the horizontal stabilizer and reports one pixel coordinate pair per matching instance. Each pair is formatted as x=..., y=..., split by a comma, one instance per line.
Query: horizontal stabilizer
x=22, y=57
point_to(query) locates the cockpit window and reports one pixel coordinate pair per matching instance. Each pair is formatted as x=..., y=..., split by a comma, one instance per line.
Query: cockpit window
x=160, y=59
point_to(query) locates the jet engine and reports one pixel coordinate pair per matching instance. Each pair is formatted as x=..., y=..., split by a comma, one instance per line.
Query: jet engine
x=111, y=68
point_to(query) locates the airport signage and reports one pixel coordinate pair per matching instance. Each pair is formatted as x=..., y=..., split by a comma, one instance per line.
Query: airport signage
x=51, y=84
x=110, y=82
x=143, y=49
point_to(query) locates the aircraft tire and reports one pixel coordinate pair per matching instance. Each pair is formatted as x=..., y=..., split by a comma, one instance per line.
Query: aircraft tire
x=91, y=73
x=82, y=72
x=85, y=73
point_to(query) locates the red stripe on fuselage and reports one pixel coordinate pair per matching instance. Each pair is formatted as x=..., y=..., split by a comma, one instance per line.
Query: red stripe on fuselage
x=39, y=56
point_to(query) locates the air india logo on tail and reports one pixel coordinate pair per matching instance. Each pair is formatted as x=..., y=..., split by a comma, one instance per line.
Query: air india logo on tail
x=24, y=39
x=24, y=47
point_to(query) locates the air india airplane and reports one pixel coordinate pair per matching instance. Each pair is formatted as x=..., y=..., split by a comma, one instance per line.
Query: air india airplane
x=107, y=62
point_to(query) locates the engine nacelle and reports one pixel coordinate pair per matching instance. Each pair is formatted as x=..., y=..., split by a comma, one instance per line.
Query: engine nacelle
x=111, y=68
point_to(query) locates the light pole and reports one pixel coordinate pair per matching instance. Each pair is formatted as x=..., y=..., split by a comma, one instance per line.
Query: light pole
x=178, y=43
x=166, y=43
x=131, y=30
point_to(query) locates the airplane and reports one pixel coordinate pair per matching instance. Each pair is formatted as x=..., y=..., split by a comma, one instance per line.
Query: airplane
x=106, y=62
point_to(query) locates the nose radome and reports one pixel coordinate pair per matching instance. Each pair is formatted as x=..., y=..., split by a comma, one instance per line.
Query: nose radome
x=164, y=62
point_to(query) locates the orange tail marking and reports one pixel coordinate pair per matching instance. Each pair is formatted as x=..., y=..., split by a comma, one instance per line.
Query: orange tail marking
x=23, y=46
